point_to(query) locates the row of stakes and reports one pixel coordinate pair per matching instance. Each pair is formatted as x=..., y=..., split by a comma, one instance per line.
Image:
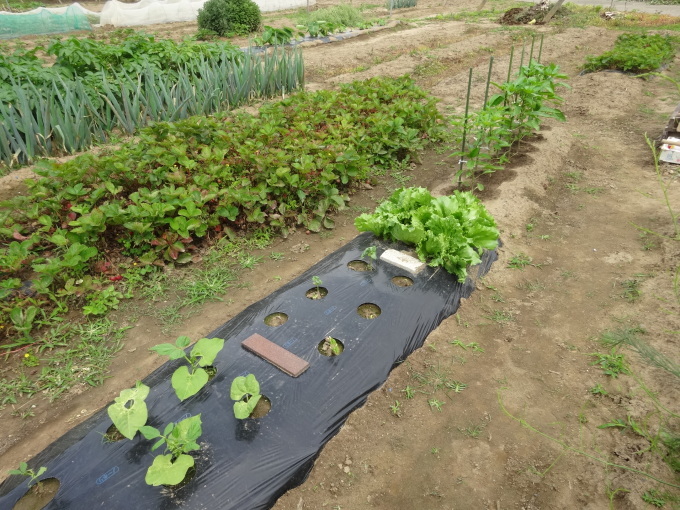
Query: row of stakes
x=488, y=80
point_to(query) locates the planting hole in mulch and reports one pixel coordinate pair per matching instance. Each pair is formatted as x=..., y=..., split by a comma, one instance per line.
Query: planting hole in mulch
x=39, y=495
x=330, y=346
x=276, y=319
x=369, y=311
x=112, y=435
x=402, y=281
x=211, y=371
x=264, y=405
x=317, y=293
x=359, y=265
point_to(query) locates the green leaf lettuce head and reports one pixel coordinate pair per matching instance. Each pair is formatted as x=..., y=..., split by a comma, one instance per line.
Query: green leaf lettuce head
x=450, y=231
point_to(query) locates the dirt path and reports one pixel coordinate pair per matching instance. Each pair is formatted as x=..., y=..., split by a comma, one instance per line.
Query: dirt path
x=567, y=201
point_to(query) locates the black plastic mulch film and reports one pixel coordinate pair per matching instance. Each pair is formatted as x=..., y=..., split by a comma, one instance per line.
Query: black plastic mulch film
x=248, y=464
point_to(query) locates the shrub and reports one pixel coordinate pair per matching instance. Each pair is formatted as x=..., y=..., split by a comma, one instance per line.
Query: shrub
x=229, y=16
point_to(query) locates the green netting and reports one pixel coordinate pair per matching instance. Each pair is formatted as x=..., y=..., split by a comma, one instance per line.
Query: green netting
x=43, y=22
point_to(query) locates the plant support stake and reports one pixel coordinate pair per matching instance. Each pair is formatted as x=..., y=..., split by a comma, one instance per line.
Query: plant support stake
x=531, y=53
x=512, y=52
x=540, y=48
x=521, y=60
x=488, y=81
x=467, y=109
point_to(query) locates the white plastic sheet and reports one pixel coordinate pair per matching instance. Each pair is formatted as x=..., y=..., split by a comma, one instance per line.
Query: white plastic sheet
x=148, y=12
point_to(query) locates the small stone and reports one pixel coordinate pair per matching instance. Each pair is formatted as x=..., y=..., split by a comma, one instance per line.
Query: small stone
x=346, y=469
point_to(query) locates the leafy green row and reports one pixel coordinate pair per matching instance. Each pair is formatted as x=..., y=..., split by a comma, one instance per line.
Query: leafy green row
x=450, y=232
x=179, y=185
x=506, y=118
x=63, y=117
x=636, y=53
x=126, y=51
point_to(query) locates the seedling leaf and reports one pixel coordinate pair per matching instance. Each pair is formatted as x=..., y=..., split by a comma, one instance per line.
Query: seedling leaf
x=168, y=350
x=207, y=349
x=187, y=384
x=243, y=409
x=129, y=419
x=149, y=432
x=183, y=342
x=164, y=471
x=242, y=386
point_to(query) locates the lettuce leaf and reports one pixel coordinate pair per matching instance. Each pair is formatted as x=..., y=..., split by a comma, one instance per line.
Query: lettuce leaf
x=451, y=232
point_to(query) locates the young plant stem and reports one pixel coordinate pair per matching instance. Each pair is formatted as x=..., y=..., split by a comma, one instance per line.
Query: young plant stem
x=566, y=446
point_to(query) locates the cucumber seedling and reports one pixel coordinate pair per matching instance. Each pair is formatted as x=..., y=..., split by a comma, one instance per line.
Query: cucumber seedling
x=179, y=439
x=188, y=380
x=246, y=392
x=30, y=473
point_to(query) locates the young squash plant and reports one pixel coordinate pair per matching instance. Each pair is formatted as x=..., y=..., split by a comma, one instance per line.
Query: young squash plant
x=129, y=412
x=179, y=439
x=188, y=380
x=246, y=392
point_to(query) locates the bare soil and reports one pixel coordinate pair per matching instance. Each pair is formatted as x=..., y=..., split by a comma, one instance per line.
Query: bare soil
x=569, y=201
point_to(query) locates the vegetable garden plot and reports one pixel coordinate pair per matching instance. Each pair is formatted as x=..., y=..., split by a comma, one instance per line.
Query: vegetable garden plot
x=250, y=463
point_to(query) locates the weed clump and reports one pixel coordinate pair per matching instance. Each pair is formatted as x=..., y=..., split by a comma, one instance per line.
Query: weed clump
x=635, y=53
x=225, y=17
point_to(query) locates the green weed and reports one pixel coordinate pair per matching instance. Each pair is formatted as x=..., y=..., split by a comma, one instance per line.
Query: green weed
x=520, y=261
x=612, y=364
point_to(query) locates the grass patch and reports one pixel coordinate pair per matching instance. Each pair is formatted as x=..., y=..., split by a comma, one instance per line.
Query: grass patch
x=339, y=15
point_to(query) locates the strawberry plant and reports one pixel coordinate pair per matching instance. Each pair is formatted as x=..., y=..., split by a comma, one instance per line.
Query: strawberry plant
x=188, y=380
x=179, y=439
x=129, y=412
x=246, y=392
x=181, y=186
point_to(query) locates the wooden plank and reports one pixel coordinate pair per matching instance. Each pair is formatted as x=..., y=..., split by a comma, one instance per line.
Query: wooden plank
x=281, y=358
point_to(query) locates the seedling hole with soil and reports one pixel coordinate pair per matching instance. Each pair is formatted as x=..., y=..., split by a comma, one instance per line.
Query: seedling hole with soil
x=369, y=311
x=359, y=265
x=39, y=495
x=264, y=405
x=402, y=281
x=113, y=434
x=317, y=293
x=211, y=370
x=276, y=319
x=330, y=346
